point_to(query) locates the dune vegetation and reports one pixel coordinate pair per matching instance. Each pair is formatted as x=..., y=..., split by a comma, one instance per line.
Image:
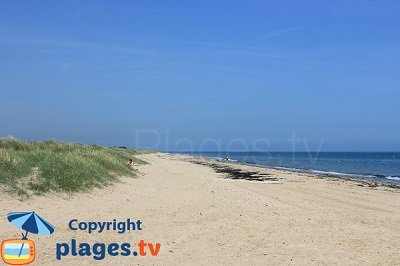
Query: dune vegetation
x=39, y=167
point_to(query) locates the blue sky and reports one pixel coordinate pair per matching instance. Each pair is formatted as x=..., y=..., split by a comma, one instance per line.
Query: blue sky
x=178, y=75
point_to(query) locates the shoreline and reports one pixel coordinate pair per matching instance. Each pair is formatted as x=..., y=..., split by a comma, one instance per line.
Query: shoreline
x=343, y=176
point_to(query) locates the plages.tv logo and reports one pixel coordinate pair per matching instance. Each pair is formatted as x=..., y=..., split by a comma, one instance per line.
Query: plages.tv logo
x=22, y=251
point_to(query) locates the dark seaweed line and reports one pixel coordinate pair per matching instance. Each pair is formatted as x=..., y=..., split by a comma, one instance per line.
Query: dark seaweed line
x=234, y=173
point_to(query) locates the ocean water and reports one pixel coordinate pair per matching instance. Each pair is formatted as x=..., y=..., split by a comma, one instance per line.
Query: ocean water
x=381, y=167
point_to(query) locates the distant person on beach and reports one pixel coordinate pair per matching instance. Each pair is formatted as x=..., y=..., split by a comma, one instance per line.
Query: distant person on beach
x=130, y=163
x=227, y=158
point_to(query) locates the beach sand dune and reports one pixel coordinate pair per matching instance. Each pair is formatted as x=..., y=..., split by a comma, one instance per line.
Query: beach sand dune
x=202, y=218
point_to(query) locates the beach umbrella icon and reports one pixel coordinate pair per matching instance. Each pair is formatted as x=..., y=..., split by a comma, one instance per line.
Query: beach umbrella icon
x=31, y=223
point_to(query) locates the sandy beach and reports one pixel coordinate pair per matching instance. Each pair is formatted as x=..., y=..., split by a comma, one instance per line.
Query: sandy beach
x=202, y=217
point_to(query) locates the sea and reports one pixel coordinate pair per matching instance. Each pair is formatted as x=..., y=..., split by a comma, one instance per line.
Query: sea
x=382, y=167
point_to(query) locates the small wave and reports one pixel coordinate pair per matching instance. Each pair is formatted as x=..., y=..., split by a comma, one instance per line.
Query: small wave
x=368, y=176
x=216, y=158
x=362, y=176
x=393, y=178
x=222, y=159
x=330, y=173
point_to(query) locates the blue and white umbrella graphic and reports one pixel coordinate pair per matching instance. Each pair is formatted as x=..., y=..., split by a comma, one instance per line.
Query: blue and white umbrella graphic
x=31, y=223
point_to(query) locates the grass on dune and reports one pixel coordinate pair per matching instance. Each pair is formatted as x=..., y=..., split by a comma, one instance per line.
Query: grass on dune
x=39, y=167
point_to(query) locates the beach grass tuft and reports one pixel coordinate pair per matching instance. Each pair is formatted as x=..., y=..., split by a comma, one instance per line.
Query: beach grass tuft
x=39, y=167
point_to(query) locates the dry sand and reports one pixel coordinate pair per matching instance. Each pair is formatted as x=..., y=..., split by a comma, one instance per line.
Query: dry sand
x=201, y=218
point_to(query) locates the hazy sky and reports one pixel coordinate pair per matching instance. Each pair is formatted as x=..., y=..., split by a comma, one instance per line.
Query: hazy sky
x=178, y=75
